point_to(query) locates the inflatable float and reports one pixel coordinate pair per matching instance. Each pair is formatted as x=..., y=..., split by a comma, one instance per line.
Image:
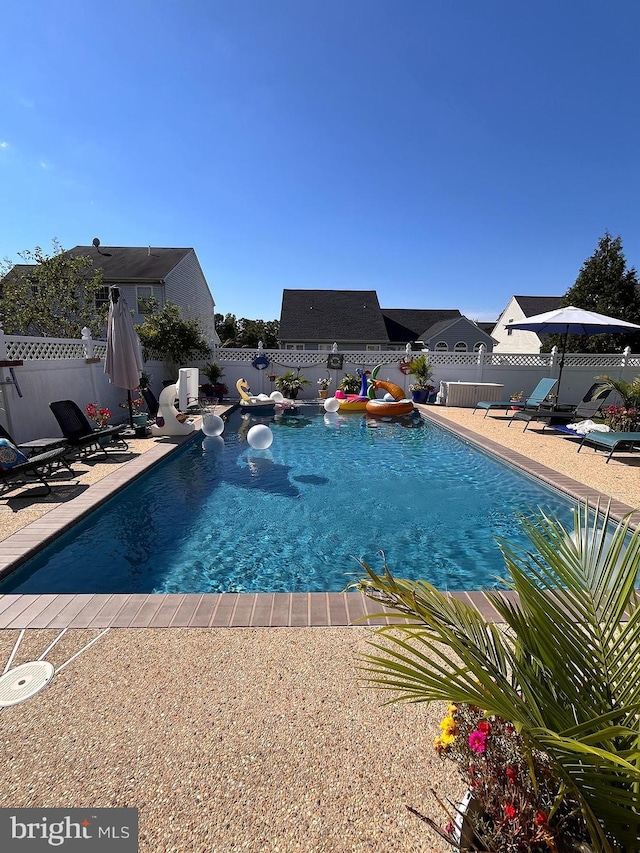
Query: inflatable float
x=354, y=402
x=389, y=408
x=249, y=401
x=169, y=421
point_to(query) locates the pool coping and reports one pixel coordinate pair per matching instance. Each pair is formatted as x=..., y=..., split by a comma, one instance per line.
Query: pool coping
x=217, y=610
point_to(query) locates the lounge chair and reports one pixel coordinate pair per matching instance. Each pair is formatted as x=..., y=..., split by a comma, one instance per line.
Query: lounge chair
x=152, y=402
x=37, y=445
x=553, y=416
x=78, y=431
x=15, y=466
x=536, y=397
x=612, y=440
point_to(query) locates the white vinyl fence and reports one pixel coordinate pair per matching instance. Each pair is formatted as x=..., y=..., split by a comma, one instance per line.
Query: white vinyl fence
x=36, y=371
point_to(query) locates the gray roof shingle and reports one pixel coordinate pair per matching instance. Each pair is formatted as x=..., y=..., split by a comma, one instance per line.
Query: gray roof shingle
x=409, y=324
x=532, y=305
x=132, y=263
x=328, y=315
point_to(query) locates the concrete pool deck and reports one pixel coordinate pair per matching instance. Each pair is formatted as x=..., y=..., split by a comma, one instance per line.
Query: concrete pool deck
x=543, y=454
x=248, y=740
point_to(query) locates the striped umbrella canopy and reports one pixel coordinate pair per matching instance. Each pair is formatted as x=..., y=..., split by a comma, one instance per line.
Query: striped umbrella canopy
x=123, y=362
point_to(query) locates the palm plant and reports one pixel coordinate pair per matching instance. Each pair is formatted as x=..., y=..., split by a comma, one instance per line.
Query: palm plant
x=565, y=673
x=290, y=384
x=628, y=391
x=350, y=384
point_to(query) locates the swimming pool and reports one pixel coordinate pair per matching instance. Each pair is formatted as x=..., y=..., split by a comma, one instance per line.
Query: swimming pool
x=218, y=516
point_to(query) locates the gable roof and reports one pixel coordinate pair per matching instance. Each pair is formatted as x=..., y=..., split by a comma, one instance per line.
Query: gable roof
x=408, y=324
x=440, y=327
x=132, y=263
x=328, y=315
x=532, y=305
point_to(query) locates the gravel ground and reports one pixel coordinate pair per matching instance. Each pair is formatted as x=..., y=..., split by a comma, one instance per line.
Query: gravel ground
x=245, y=739
x=248, y=739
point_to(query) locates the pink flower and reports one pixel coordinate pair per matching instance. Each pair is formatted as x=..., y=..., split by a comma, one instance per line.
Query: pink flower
x=477, y=741
x=449, y=828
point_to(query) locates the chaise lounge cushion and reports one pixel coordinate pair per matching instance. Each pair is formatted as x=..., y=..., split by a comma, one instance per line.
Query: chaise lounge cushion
x=10, y=456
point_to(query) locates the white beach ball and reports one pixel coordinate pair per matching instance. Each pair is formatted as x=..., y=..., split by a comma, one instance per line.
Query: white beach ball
x=260, y=437
x=212, y=425
x=331, y=404
x=276, y=396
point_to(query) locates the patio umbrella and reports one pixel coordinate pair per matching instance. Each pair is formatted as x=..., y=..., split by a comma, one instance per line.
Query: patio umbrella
x=123, y=362
x=572, y=321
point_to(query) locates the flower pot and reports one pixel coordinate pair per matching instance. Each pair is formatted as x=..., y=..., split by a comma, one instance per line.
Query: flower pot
x=470, y=810
x=420, y=396
x=323, y=393
x=141, y=419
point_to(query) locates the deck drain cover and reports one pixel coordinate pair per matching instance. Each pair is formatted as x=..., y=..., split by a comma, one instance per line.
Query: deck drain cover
x=24, y=681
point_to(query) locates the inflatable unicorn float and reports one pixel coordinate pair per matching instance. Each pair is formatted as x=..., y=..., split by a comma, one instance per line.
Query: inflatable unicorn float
x=394, y=403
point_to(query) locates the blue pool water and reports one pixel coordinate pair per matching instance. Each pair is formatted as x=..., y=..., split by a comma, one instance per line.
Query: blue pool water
x=219, y=516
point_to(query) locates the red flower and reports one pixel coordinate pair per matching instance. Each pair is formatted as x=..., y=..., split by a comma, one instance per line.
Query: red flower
x=541, y=818
x=449, y=828
x=477, y=741
x=510, y=811
x=484, y=726
x=511, y=773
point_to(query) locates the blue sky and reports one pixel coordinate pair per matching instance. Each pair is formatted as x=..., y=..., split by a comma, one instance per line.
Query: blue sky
x=447, y=153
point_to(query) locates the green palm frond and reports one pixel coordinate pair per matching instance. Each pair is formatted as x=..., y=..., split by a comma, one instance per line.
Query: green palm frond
x=564, y=669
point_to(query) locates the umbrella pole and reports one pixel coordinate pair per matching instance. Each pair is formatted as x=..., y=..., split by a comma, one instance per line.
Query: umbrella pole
x=130, y=404
x=564, y=349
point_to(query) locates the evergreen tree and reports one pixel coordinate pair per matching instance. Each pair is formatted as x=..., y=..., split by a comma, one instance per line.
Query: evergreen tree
x=606, y=286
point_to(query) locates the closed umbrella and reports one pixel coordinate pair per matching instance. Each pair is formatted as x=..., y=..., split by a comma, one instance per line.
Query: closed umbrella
x=123, y=362
x=572, y=321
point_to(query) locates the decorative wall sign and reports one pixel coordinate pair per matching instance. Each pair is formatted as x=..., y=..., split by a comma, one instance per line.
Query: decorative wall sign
x=260, y=362
x=334, y=361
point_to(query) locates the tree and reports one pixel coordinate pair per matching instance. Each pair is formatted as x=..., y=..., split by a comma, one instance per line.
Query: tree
x=227, y=328
x=52, y=295
x=245, y=332
x=606, y=286
x=168, y=336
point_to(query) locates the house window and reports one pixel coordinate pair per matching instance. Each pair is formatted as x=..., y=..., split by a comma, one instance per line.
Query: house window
x=325, y=347
x=476, y=346
x=102, y=296
x=510, y=331
x=373, y=348
x=143, y=292
x=460, y=347
x=441, y=346
x=294, y=346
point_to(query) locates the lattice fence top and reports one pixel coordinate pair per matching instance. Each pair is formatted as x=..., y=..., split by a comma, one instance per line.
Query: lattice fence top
x=293, y=359
x=43, y=349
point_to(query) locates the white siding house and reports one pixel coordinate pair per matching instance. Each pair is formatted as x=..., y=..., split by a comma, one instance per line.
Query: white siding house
x=519, y=307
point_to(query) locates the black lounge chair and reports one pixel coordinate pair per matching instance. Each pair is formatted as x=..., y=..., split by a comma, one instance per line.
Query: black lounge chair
x=78, y=431
x=554, y=416
x=152, y=402
x=38, y=445
x=41, y=467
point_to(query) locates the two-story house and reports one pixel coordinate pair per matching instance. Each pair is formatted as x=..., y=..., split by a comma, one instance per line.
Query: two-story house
x=168, y=275
x=518, y=308
x=316, y=319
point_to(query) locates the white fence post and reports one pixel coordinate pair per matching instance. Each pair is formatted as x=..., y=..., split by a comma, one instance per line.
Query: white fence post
x=482, y=350
x=88, y=342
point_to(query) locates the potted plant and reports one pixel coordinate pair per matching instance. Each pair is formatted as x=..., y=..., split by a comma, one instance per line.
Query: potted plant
x=422, y=387
x=139, y=417
x=323, y=386
x=350, y=384
x=213, y=387
x=290, y=384
x=516, y=397
x=543, y=713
